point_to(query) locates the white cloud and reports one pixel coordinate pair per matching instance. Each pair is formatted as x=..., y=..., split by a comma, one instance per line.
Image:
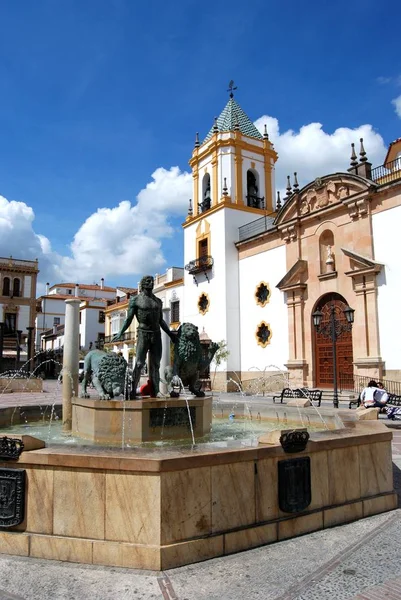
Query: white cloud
x=18, y=238
x=126, y=239
x=312, y=152
x=397, y=104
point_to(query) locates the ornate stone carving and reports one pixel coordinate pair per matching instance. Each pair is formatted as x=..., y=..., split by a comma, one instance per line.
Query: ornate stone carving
x=321, y=195
x=359, y=208
x=289, y=234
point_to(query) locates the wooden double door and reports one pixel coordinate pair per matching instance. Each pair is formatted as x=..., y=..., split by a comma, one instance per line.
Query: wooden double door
x=323, y=345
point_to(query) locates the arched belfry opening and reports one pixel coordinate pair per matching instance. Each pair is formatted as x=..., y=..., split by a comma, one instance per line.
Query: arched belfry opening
x=16, y=287
x=6, y=286
x=253, y=198
x=206, y=194
x=323, y=345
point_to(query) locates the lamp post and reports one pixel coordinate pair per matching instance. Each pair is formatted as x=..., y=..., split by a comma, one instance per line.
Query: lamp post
x=332, y=330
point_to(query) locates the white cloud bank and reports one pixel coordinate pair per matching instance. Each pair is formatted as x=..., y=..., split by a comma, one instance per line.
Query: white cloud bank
x=127, y=239
x=312, y=152
x=397, y=105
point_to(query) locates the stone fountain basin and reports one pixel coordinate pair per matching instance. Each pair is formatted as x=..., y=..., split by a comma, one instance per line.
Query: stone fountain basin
x=162, y=508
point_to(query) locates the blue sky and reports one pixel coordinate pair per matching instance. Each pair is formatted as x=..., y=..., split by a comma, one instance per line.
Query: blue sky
x=96, y=95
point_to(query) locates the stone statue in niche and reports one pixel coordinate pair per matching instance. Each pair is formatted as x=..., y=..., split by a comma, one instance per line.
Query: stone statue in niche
x=330, y=264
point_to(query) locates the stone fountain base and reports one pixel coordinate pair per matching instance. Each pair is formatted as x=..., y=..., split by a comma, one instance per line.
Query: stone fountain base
x=159, y=509
x=136, y=421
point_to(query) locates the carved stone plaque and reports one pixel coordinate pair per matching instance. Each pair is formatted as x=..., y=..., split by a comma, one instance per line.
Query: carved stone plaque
x=294, y=484
x=12, y=497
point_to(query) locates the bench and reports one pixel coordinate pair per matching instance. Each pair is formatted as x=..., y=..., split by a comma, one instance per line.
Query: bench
x=289, y=394
x=394, y=400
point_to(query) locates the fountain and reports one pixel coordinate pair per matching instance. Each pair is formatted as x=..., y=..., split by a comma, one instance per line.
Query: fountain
x=163, y=504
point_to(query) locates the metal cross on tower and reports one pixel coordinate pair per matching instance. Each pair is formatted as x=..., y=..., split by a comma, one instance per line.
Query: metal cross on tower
x=231, y=88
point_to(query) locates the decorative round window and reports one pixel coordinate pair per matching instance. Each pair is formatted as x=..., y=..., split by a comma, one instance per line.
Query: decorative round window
x=263, y=334
x=203, y=303
x=262, y=293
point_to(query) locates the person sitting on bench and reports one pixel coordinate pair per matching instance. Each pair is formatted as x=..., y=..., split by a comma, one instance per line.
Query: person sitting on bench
x=374, y=396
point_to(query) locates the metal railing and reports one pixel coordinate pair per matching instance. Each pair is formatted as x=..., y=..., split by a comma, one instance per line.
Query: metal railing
x=387, y=173
x=127, y=336
x=199, y=265
x=255, y=228
x=356, y=383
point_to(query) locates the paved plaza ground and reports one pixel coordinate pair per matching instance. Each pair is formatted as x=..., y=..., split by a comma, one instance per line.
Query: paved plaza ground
x=358, y=561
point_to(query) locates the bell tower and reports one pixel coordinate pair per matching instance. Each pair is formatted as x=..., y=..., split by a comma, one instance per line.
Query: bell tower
x=233, y=184
x=234, y=165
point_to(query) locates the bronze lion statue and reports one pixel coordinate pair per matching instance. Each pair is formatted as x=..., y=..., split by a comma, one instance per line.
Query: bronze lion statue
x=189, y=360
x=107, y=371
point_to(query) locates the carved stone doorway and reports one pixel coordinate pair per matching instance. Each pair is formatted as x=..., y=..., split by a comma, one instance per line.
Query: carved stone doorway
x=323, y=346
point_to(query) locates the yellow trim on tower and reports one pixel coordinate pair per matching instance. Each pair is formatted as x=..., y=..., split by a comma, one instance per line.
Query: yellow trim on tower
x=226, y=203
x=202, y=233
x=195, y=175
x=214, y=179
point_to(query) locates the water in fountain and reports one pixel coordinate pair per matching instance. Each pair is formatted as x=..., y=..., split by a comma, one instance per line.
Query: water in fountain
x=235, y=419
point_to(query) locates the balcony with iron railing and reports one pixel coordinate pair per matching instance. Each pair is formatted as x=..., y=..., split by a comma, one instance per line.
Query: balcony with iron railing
x=199, y=265
x=387, y=173
x=128, y=336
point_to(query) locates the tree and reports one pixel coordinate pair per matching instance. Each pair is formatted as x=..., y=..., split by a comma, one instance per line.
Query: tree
x=221, y=355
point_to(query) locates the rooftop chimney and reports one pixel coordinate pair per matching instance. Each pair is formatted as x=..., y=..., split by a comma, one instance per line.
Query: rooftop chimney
x=47, y=288
x=102, y=283
x=76, y=290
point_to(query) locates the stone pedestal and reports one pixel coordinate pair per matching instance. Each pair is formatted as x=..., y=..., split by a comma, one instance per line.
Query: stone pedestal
x=135, y=421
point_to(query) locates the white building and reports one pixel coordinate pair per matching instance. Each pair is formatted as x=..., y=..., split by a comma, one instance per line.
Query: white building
x=51, y=308
x=17, y=310
x=169, y=287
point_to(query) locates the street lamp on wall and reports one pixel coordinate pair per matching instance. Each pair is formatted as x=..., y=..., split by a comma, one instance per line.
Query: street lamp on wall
x=332, y=330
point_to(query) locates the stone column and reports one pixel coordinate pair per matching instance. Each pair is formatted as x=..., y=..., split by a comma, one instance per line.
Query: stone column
x=70, y=360
x=165, y=361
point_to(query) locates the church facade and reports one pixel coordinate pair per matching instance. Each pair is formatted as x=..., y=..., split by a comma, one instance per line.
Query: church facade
x=258, y=268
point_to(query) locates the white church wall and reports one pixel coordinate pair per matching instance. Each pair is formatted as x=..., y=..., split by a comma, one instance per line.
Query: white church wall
x=213, y=320
x=386, y=227
x=269, y=267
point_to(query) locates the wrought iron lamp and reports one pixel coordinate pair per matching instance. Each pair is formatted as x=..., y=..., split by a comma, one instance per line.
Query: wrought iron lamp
x=332, y=330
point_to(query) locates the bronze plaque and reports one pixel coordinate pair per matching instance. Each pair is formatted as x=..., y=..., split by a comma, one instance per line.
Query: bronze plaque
x=174, y=416
x=294, y=484
x=12, y=497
